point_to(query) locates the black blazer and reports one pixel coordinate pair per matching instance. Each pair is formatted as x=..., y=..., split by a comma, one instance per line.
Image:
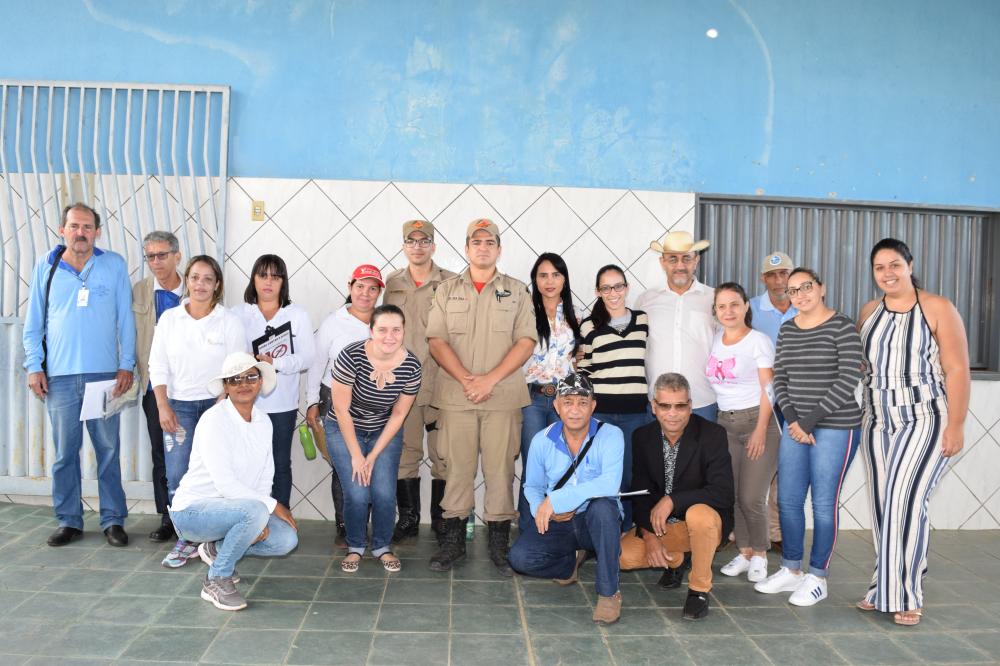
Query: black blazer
x=703, y=473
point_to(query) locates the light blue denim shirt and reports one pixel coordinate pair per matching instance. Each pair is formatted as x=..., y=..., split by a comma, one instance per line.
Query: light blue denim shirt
x=96, y=337
x=599, y=474
x=768, y=319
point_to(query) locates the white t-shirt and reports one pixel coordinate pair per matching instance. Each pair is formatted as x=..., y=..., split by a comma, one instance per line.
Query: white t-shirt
x=290, y=367
x=732, y=369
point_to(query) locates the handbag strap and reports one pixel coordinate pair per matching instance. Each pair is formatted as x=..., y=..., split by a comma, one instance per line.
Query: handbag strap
x=574, y=463
x=45, y=318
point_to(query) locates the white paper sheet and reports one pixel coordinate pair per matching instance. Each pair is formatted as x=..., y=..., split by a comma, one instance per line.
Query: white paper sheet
x=93, y=399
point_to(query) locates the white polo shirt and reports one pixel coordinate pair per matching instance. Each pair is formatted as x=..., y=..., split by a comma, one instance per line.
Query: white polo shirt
x=339, y=329
x=681, y=331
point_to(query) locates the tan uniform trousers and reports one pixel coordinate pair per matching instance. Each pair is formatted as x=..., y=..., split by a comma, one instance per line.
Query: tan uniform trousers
x=700, y=534
x=414, y=428
x=465, y=436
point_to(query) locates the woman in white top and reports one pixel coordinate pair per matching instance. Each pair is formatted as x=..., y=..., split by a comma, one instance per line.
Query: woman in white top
x=267, y=308
x=223, y=501
x=739, y=369
x=189, y=344
x=347, y=324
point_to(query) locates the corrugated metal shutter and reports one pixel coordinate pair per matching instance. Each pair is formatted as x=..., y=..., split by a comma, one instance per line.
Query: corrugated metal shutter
x=954, y=252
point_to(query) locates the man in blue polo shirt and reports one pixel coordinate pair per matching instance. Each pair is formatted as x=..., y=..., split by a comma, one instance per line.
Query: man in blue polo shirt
x=572, y=477
x=88, y=330
x=770, y=310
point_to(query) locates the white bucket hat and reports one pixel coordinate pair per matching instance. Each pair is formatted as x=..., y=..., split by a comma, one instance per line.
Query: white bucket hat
x=238, y=363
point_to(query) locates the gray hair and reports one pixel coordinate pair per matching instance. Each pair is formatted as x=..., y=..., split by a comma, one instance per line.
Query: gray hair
x=671, y=381
x=161, y=237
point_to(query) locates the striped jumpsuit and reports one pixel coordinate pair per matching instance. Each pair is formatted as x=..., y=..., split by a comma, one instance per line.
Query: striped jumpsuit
x=905, y=414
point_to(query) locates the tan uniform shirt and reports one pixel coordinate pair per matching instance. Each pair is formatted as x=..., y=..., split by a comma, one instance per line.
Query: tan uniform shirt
x=481, y=329
x=415, y=302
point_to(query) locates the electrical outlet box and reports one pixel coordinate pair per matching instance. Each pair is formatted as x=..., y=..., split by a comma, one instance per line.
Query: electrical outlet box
x=257, y=211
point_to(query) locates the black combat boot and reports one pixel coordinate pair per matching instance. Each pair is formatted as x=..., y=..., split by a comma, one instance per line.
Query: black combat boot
x=408, y=505
x=437, y=522
x=499, y=545
x=452, y=545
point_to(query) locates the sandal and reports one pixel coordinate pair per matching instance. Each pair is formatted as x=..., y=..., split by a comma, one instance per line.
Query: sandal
x=908, y=618
x=865, y=605
x=390, y=562
x=351, y=565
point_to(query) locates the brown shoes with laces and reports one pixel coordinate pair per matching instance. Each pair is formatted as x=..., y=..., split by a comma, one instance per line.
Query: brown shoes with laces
x=608, y=609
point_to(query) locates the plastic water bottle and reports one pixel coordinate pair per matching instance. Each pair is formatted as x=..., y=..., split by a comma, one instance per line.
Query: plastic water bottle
x=306, y=439
x=470, y=527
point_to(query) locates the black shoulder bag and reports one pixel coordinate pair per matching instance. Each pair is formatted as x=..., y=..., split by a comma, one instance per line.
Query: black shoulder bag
x=45, y=316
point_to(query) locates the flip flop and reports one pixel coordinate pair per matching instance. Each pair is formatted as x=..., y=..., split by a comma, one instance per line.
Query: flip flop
x=865, y=605
x=908, y=618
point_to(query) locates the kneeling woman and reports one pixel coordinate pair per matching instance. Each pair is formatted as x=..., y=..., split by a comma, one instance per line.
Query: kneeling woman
x=224, y=500
x=374, y=384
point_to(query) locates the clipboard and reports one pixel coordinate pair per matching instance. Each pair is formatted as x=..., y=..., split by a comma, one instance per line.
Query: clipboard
x=276, y=341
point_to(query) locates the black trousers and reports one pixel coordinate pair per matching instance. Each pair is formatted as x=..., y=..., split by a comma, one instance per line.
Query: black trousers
x=156, y=446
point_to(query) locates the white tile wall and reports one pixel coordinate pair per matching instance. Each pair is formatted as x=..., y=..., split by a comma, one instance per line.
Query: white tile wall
x=324, y=228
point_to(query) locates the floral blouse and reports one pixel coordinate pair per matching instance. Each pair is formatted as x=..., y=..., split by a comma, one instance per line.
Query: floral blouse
x=547, y=365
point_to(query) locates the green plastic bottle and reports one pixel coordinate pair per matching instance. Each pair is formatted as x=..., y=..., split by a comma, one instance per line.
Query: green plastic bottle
x=306, y=439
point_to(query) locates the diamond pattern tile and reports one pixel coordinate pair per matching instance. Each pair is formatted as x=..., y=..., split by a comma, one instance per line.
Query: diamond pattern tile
x=323, y=228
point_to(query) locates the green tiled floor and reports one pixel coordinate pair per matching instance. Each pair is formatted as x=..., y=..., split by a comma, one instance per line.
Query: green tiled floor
x=89, y=603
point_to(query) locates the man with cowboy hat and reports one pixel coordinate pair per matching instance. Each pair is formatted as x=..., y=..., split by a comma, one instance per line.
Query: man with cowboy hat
x=224, y=500
x=681, y=325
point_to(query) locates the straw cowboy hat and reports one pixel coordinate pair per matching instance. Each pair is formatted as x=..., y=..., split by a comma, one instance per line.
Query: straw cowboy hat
x=678, y=241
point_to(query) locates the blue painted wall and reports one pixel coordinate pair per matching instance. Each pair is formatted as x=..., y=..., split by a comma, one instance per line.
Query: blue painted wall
x=858, y=99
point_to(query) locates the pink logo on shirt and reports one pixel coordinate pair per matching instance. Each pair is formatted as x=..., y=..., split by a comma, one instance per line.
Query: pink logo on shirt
x=720, y=371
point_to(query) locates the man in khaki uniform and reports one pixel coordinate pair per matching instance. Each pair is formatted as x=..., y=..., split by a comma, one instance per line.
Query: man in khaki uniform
x=412, y=289
x=481, y=330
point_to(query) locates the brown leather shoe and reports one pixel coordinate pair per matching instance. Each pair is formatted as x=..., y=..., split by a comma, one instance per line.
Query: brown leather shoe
x=581, y=557
x=608, y=609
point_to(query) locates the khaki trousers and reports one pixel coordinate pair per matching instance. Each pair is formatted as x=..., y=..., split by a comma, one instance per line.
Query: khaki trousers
x=773, y=521
x=463, y=437
x=700, y=534
x=420, y=420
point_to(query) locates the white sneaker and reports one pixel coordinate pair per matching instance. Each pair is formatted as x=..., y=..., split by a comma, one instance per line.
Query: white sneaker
x=757, y=569
x=782, y=580
x=736, y=566
x=811, y=591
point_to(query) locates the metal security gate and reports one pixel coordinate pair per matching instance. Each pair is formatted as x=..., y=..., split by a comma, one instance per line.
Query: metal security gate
x=145, y=156
x=956, y=252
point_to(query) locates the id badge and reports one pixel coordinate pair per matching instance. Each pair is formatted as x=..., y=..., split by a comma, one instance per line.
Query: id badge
x=82, y=297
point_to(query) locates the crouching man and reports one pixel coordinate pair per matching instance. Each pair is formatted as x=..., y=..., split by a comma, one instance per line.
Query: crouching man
x=223, y=501
x=572, y=476
x=683, y=461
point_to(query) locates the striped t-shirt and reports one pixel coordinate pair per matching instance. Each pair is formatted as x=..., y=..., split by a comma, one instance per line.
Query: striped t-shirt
x=816, y=372
x=370, y=406
x=616, y=363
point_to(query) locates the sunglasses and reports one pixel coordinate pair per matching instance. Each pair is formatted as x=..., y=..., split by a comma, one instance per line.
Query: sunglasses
x=239, y=380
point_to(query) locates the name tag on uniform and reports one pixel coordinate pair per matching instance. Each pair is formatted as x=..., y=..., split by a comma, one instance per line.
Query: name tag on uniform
x=82, y=297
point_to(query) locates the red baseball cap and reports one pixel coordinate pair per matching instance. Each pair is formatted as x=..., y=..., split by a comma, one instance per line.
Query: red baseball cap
x=368, y=271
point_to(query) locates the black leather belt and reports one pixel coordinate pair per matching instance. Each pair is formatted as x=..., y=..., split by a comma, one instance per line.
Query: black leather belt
x=548, y=390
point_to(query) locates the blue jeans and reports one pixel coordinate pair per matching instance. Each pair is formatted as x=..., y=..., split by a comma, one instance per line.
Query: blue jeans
x=553, y=554
x=534, y=418
x=234, y=523
x=63, y=403
x=628, y=423
x=822, y=467
x=710, y=412
x=177, y=446
x=283, y=424
x=380, y=493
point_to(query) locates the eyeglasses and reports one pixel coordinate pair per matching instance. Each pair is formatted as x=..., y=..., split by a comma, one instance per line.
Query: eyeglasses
x=674, y=406
x=686, y=259
x=415, y=242
x=803, y=288
x=239, y=380
x=608, y=288
x=157, y=256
